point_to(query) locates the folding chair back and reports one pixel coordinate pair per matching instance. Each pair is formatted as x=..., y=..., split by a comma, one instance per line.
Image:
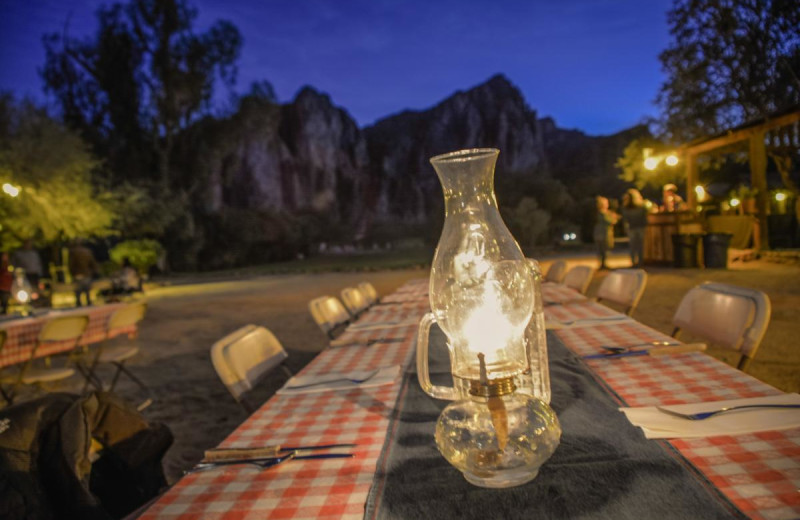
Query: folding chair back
x=328, y=313
x=726, y=315
x=579, y=278
x=556, y=272
x=354, y=301
x=64, y=328
x=369, y=292
x=126, y=317
x=625, y=287
x=245, y=356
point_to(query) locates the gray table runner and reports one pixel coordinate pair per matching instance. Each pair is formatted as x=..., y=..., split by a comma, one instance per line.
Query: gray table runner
x=603, y=468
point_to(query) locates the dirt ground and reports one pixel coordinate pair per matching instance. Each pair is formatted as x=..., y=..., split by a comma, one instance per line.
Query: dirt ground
x=183, y=321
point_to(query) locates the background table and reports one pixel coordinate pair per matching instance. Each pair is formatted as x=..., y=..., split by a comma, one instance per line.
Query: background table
x=22, y=333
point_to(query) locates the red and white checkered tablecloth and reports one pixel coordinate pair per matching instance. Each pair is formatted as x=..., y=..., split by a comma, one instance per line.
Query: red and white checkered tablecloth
x=310, y=489
x=22, y=334
x=759, y=472
x=559, y=293
x=411, y=291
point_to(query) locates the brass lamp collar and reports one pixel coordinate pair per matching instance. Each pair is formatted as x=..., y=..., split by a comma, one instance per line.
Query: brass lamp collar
x=493, y=387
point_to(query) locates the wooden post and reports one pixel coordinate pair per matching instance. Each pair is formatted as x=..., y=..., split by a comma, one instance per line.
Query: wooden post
x=691, y=180
x=758, y=180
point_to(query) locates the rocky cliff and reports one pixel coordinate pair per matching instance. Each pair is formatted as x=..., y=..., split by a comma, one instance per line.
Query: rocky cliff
x=493, y=114
x=310, y=154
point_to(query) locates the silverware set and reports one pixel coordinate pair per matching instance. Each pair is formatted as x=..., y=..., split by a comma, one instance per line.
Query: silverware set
x=265, y=457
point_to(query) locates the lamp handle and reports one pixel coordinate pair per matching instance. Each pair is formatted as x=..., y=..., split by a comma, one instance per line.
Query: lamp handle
x=423, y=373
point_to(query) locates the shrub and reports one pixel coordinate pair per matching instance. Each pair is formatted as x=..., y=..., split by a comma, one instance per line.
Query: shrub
x=143, y=254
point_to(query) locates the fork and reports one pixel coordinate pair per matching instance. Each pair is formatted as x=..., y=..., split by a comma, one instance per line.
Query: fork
x=699, y=416
x=366, y=377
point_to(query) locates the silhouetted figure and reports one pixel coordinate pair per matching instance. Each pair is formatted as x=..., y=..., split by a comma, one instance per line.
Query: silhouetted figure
x=83, y=268
x=604, y=230
x=29, y=260
x=635, y=216
x=6, y=279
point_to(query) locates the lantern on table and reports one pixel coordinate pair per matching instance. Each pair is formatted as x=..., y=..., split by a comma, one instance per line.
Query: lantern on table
x=483, y=297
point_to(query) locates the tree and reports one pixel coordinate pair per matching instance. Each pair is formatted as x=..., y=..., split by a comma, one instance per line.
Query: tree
x=631, y=165
x=144, y=77
x=730, y=62
x=52, y=167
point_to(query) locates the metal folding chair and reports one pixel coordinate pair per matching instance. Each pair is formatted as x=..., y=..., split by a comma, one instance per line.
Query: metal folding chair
x=726, y=315
x=625, y=287
x=369, y=292
x=354, y=301
x=329, y=314
x=59, y=329
x=579, y=278
x=244, y=357
x=556, y=272
x=117, y=355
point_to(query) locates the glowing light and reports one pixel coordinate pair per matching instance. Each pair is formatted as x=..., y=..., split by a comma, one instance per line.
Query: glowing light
x=671, y=160
x=10, y=190
x=566, y=236
x=650, y=163
x=701, y=192
x=780, y=196
x=573, y=236
x=734, y=202
x=23, y=296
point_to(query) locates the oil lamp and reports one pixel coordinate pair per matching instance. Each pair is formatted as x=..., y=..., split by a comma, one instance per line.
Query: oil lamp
x=483, y=297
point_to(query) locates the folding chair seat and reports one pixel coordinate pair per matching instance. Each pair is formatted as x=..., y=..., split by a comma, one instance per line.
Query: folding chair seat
x=68, y=329
x=579, y=278
x=122, y=320
x=624, y=287
x=726, y=315
x=369, y=292
x=354, y=301
x=556, y=272
x=245, y=357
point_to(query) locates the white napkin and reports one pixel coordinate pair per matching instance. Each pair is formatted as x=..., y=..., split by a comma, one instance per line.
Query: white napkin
x=337, y=381
x=659, y=425
x=580, y=323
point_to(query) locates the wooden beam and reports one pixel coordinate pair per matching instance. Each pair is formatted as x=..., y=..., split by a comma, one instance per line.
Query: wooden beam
x=740, y=135
x=758, y=180
x=691, y=180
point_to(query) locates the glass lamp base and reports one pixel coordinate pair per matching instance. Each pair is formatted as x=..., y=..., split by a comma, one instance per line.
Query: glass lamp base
x=504, y=480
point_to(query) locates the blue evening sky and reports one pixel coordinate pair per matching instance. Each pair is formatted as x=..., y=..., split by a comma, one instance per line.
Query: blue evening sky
x=590, y=64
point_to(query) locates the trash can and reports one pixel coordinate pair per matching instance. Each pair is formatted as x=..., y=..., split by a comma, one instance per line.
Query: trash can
x=684, y=250
x=715, y=250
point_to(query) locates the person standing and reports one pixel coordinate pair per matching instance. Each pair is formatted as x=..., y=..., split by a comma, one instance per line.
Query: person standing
x=604, y=230
x=83, y=268
x=671, y=201
x=635, y=216
x=6, y=280
x=29, y=260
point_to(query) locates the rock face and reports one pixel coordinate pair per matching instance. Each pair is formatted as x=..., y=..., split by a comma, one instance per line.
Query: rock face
x=309, y=155
x=493, y=114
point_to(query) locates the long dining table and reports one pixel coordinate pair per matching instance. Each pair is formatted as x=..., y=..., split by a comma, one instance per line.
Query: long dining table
x=756, y=475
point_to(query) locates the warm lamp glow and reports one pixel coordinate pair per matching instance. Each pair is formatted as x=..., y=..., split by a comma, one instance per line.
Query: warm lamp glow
x=700, y=191
x=650, y=163
x=23, y=296
x=780, y=196
x=734, y=202
x=10, y=190
x=671, y=160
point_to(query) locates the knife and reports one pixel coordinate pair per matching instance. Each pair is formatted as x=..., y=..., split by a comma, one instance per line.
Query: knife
x=263, y=452
x=655, y=351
